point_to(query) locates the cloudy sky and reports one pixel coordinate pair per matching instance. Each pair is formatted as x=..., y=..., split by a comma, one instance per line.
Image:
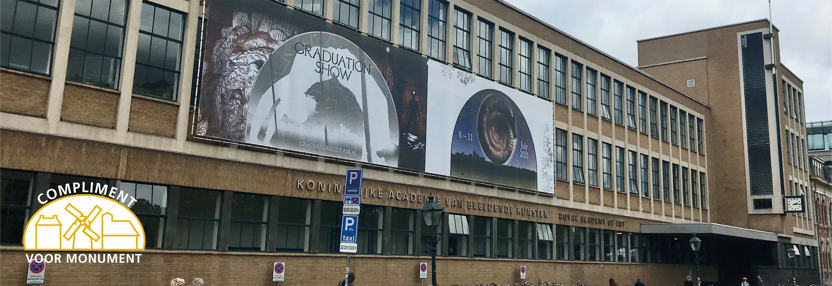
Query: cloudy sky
x=613, y=26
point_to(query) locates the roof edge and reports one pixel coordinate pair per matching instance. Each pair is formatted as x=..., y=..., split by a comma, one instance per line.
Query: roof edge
x=791, y=72
x=673, y=62
x=706, y=29
x=599, y=51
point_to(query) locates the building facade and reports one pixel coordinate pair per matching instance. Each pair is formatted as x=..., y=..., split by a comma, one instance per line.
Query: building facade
x=822, y=189
x=544, y=151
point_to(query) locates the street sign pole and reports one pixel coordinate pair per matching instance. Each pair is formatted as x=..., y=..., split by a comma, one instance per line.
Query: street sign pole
x=349, y=219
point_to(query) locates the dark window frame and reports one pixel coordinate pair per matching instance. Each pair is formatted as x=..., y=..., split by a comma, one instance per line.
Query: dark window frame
x=561, y=155
x=462, y=39
x=657, y=192
x=663, y=118
x=525, y=68
x=6, y=208
x=305, y=228
x=140, y=214
x=606, y=164
x=437, y=38
x=262, y=224
x=560, y=79
x=9, y=33
x=353, y=11
x=577, y=85
x=683, y=127
x=692, y=132
x=505, y=244
x=685, y=187
x=377, y=18
x=591, y=77
x=631, y=108
x=85, y=51
x=544, y=60
x=619, y=169
x=396, y=233
x=666, y=180
x=592, y=161
x=486, y=239
x=632, y=168
x=303, y=4
x=606, y=114
x=618, y=102
x=645, y=182
x=506, y=63
x=674, y=127
x=413, y=8
x=578, y=158
x=485, y=53
x=675, y=172
x=642, y=112
x=654, y=117
x=148, y=67
x=216, y=220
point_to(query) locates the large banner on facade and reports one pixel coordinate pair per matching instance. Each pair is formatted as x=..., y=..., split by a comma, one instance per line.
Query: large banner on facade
x=280, y=78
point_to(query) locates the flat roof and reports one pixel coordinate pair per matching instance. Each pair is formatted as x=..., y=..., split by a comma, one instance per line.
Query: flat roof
x=708, y=228
x=706, y=29
x=599, y=51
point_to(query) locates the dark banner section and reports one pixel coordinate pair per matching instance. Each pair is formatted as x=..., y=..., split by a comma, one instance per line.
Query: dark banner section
x=281, y=78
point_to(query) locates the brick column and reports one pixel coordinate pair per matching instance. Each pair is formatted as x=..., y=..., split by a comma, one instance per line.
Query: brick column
x=314, y=234
x=272, y=233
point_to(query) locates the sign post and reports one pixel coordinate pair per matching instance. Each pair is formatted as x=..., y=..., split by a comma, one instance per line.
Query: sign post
x=279, y=271
x=349, y=219
x=36, y=272
x=423, y=270
x=522, y=272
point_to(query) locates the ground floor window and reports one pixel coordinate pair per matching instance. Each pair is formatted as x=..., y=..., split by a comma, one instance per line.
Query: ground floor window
x=482, y=236
x=505, y=240
x=401, y=231
x=608, y=239
x=593, y=251
x=294, y=221
x=15, y=195
x=621, y=251
x=150, y=208
x=525, y=239
x=563, y=237
x=457, y=235
x=330, y=229
x=545, y=238
x=249, y=216
x=370, y=228
x=199, y=219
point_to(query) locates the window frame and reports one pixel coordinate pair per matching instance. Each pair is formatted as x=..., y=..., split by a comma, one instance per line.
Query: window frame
x=657, y=192
x=507, y=241
x=506, y=63
x=642, y=112
x=577, y=81
x=675, y=173
x=685, y=186
x=591, y=83
x=438, y=38
x=631, y=108
x=119, y=57
x=561, y=155
x=284, y=225
x=11, y=34
x=578, y=159
x=525, y=68
x=699, y=127
x=140, y=214
x=300, y=4
x=606, y=114
x=487, y=239
x=376, y=19
x=694, y=188
x=619, y=169
x=666, y=180
x=148, y=66
x=674, y=127
x=645, y=183
x=683, y=126
x=337, y=16
x=544, y=63
x=462, y=39
x=413, y=29
x=592, y=161
x=217, y=220
x=606, y=164
x=560, y=79
x=409, y=234
x=6, y=208
x=262, y=224
x=663, y=118
x=632, y=167
x=654, y=117
x=618, y=89
x=485, y=50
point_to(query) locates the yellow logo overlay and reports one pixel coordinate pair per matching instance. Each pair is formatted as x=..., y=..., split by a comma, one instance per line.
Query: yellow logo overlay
x=84, y=223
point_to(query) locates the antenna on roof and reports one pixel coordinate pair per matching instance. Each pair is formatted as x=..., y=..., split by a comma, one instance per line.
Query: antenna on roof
x=771, y=42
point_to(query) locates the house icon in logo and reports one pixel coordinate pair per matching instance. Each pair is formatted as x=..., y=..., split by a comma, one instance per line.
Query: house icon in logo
x=48, y=229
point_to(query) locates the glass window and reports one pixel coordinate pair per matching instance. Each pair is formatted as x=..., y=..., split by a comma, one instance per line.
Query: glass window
x=578, y=243
x=578, y=158
x=294, y=221
x=608, y=240
x=642, y=112
x=249, y=214
x=619, y=113
x=606, y=164
x=699, y=124
x=28, y=35
x=506, y=56
x=590, y=91
x=543, y=72
x=786, y=97
x=593, y=251
x=401, y=229
x=312, y=6
x=655, y=174
x=632, y=162
x=674, y=139
x=577, y=71
x=592, y=161
x=544, y=241
x=485, y=34
x=505, y=237
x=789, y=140
x=409, y=23
x=645, y=183
x=525, y=239
x=379, y=18
x=621, y=251
x=196, y=75
x=159, y=51
x=564, y=234
x=645, y=248
x=560, y=79
x=525, y=65
x=654, y=117
x=97, y=41
x=683, y=127
x=605, y=98
x=370, y=228
x=482, y=236
x=631, y=107
x=663, y=118
x=437, y=19
x=457, y=237
x=694, y=189
x=635, y=243
x=691, y=121
x=199, y=219
x=15, y=198
x=330, y=231
x=619, y=169
x=685, y=198
x=703, y=190
x=676, y=183
x=560, y=154
x=666, y=180
x=150, y=208
x=462, y=43
x=346, y=12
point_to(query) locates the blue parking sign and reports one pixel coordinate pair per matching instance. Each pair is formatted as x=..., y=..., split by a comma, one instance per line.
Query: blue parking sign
x=352, y=187
x=349, y=229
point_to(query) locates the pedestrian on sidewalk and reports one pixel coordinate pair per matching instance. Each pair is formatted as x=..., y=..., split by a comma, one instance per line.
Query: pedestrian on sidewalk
x=759, y=280
x=612, y=282
x=688, y=282
x=199, y=282
x=177, y=282
x=350, y=279
x=638, y=282
x=744, y=282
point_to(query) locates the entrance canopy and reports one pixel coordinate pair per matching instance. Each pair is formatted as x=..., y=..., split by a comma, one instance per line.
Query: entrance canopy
x=708, y=228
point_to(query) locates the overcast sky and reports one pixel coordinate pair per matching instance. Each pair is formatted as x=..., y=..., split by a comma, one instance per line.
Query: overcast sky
x=614, y=26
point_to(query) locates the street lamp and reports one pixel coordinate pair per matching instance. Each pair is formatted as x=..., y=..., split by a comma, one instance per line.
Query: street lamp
x=695, y=244
x=432, y=213
x=791, y=252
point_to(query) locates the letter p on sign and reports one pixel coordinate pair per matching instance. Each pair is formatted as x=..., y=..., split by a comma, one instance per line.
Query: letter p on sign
x=352, y=186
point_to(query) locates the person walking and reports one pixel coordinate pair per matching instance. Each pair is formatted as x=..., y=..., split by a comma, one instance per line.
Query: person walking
x=759, y=280
x=350, y=279
x=744, y=282
x=688, y=282
x=199, y=282
x=612, y=282
x=177, y=282
x=638, y=282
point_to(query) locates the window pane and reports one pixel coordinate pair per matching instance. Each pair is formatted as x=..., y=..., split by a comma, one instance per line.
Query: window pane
x=15, y=195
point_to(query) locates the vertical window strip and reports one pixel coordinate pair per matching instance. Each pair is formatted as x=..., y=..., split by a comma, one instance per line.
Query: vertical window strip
x=560, y=79
x=699, y=132
x=655, y=178
x=606, y=164
x=315, y=7
x=654, y=117
x=675, y=171
x=592, y=161
x=560, y=154
x=642, y=112
x=409, y=23
x=694, y=188
x=346, y=12
x=97, y=42
x=380, y=15
x=683, y=127
x=578, y=158
x=703, y=187
x=674, y=127
x=462, y=44
x=485, y=34
x=437, y=19
x=685, y=198
x=619, y=113
x=590, y=91
x=666, y=180
x=506, y=57
x=692, y=133
x=631, y=162
x=28, y=35
x=577, y=71
x=154, y=76
x=631, y=107
x=543, y=58
x=605, y=98
x=525, y=65
x=645, y=183
x=619, y=169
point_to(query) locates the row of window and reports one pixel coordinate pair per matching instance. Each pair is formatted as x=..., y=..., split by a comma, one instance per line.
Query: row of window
x=792, y=101
x=797, y=150
x=642, y=171
x=589, y=244
x=96, y=45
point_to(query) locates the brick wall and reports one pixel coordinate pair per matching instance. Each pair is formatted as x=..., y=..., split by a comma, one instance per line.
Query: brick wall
x=159, y=267
x=153, y=117
x=22, y=93
x=89, y=105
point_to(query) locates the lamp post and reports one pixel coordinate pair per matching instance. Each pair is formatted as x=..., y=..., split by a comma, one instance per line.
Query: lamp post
x=432, y=213
x=695, y=244
x=791, y=254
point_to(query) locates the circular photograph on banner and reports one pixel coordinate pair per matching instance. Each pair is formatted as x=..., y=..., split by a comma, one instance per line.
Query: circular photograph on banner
x=320, y=93
x=492, y=142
